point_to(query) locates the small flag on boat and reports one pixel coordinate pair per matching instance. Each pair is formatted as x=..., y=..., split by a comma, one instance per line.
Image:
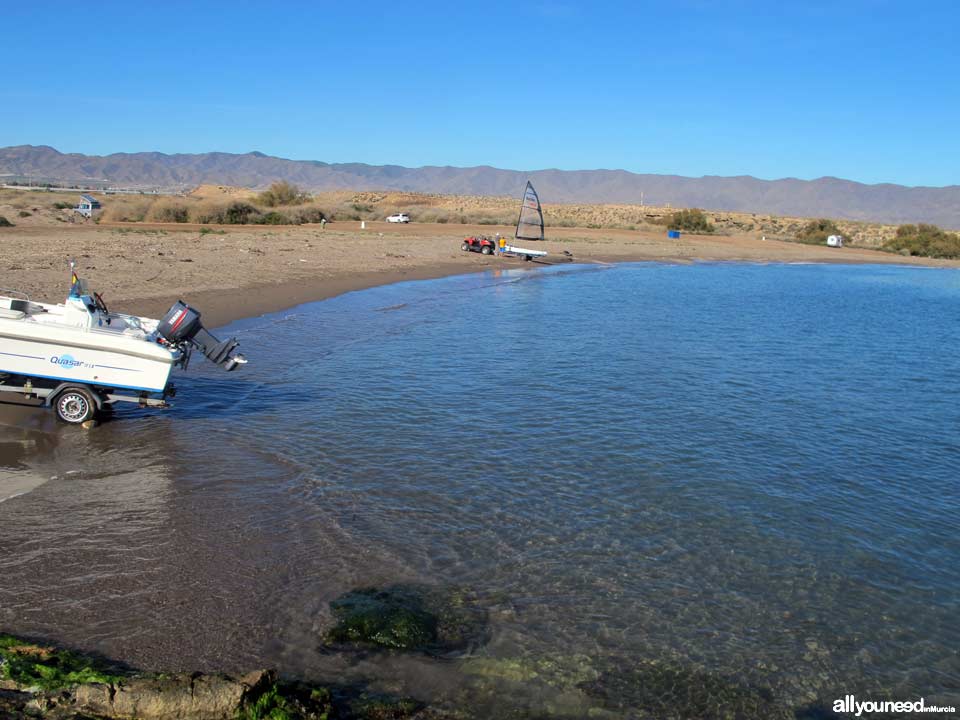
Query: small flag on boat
x=74, y=280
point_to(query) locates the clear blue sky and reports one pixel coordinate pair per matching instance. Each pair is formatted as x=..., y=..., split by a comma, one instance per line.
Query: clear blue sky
x=863, y=90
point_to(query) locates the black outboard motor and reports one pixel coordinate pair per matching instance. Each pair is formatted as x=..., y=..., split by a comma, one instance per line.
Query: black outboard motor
x=181, y=326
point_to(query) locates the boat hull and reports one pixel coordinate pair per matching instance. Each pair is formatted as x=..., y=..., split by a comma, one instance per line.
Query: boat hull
x=51, y=360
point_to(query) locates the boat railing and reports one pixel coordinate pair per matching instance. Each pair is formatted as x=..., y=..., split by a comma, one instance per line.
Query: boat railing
x=20, y=295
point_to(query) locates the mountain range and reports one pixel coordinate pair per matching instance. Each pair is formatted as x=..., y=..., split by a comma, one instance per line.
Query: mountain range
x=824, y=197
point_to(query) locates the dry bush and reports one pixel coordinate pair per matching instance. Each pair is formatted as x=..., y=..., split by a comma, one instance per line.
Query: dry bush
x=924, y=240
x=207, y=211
x=354, y=211
x=817, y=231
x=126, y=209
x=282, y=193
x=692, y=220
x=302, y=214
x=236, y=212
x=434, y=215
x=168, y=211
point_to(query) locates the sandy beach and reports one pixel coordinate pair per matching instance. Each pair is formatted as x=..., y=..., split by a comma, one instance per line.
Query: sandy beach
x=232, y=272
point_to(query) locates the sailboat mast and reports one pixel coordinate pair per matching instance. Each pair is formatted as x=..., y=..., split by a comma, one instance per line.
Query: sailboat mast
x=530, y=205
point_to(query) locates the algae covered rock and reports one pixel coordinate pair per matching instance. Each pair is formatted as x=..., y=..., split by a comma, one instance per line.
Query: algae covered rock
x=408, y=617
x=286, y=701
x=382, y=707
x=40, y=681
x=26, y=665
x=194, y=695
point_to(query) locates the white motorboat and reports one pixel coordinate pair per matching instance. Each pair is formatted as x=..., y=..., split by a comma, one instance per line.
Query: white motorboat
x=79, y=357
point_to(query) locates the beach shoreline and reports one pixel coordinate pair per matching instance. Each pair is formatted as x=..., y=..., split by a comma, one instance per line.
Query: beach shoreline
x=235, y=272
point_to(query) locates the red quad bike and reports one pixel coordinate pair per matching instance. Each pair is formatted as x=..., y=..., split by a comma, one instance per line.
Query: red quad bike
x=481, y=244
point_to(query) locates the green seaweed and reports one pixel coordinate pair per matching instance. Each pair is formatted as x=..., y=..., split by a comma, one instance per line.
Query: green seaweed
x=393, y=619
x=406, y=617
x=383, y=707
x=46, y=668
x=288, y=702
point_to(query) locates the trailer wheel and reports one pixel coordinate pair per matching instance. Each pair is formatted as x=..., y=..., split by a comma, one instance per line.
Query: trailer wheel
x=527, y=258
x=486, y=250
x=75, y=406
x=465, y=247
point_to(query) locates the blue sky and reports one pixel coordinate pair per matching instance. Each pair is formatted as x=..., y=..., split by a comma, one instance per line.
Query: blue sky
x=860, y=90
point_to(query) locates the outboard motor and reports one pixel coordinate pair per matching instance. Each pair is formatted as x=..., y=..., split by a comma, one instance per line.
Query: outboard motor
x=181, y=326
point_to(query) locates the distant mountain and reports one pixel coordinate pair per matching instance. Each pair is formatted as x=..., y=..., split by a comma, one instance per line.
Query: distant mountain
x=828, y=197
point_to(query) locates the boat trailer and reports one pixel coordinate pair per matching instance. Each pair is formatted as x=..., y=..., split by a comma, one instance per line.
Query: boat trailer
x=76, y=402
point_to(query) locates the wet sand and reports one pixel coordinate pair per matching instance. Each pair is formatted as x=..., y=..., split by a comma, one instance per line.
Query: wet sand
x=235, y=272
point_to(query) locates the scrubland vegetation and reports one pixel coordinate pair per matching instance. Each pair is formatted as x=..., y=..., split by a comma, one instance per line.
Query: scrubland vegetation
x=692, y=221
x=817, y=231
x=925, y=241
x=281, y=204
x=286, y=204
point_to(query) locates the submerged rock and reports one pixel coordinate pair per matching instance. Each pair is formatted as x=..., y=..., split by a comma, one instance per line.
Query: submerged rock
x=564, y=672
x=666, y=691
x=383, y=707
x=408, y=617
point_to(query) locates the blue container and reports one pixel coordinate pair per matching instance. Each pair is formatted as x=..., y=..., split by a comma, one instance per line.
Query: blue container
x=675, y=234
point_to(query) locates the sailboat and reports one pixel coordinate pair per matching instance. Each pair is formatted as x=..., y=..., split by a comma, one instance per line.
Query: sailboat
x=530, y=221
x=529, y=225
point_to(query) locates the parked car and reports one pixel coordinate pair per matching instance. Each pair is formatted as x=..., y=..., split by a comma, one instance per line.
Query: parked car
x=399, y=217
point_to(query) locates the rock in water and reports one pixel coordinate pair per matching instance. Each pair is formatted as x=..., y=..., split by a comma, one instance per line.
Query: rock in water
x=663, y=691
x=408, y=617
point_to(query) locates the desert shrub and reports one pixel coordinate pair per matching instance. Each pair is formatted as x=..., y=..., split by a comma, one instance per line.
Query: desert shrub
x=23, y=213
x=271, y=218
x=233, y=213
x=207, y=212
x=345, y=211
x=306, y=214
x=817, y=231
x=362, y=207
x=60, y=205
x=239, y=213
x=211, y=231
x=924, y=240
x=693, y=220
x=168, y=212
x=126, y=210
x=4, y=222
x=282, y=193
x=434, y=215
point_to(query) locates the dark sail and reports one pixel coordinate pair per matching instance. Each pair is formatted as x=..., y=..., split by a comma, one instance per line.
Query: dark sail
x=530, y=222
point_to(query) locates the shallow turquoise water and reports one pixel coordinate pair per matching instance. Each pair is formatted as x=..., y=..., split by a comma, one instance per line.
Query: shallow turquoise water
x=746, y=469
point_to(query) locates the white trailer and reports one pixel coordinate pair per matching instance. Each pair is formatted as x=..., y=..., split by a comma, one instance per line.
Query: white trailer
x=525, y=253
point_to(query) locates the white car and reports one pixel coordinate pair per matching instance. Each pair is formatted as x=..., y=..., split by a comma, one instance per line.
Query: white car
x=399, y=217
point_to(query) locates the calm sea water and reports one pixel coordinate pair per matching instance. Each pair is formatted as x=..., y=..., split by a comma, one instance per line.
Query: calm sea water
x=744, y=470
